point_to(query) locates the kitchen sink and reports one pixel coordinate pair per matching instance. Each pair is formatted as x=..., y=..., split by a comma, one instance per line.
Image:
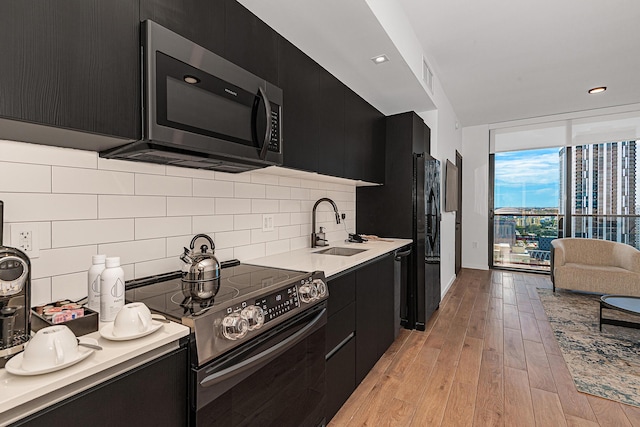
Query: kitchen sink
x=340, y=251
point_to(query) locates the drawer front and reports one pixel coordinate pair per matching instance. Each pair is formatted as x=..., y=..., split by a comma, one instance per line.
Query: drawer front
x=340, y=325
x=342, y=292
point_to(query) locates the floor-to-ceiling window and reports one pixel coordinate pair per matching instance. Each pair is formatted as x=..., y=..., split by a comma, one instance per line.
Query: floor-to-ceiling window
x=575, y=178
x=526, y=207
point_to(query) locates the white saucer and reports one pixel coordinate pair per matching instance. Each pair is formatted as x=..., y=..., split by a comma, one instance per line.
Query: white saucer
x=107, y=332
x=14, y=365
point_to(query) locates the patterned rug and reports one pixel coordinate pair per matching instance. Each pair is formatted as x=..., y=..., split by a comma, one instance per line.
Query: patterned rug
x=605, y=364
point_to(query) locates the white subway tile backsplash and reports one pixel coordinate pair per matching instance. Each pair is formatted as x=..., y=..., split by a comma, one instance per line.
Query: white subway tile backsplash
x=244, y=253
x=90, y=181
x=20, y=207
x=263, y=178
x=156, y=185
x=149, y=228
x=69, y=286
x=176, y=245
x=131, y=206
x=265, y=206
x=300, y=243
x=212, y=223
x=45, y=155
x=248, y=221
x=277, y=192
x=245, y=190
x=229, y=239
x=259, y=236
x=41, y=291
x=289, y=232
x=79, y=233
x=25, y=178
x=56, y=262
x=289, y=182
x=281, y=219
x=289, y=206
x=147, y=213
x=300, y=193
x=235, y=177
x=157, y=266
x=190, y=173
x=135, y=251
x=277, y=247
x=181, y=206
x=126, y=166
x=209, y=188
x=233, y=206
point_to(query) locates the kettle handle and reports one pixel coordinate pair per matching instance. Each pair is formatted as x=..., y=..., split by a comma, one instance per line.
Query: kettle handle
x=204, y=236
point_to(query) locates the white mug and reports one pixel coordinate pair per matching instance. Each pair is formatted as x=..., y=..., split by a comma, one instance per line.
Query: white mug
x=132, y=319
x=50, y=347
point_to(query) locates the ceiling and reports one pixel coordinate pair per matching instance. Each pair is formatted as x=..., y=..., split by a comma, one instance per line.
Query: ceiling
x=496, y=60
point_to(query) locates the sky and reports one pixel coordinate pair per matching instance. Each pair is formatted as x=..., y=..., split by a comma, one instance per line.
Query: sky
x=527, y=178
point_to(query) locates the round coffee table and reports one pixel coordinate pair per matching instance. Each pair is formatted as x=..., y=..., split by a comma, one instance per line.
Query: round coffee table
x=623, y=303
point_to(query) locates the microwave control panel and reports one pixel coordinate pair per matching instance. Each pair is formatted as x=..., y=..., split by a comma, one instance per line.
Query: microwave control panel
x=274, y=142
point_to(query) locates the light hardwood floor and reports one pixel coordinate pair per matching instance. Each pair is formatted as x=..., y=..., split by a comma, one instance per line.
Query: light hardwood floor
x=487, y=358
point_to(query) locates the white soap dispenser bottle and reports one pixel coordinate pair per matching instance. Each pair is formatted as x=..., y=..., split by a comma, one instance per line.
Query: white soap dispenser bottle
x=93, y=281
x=111, y=289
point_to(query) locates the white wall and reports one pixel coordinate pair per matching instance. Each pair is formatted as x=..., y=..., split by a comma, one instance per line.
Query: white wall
x=81, y=205
x=475, y=190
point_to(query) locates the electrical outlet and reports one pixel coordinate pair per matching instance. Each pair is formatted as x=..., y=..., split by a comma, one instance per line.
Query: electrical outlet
x=267, y=222
x=474, y=245
x=25, y=238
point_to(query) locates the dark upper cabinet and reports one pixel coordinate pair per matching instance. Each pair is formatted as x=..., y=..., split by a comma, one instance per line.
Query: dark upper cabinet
x=201, y=21
x=71, y=64
x=249, y=42
x=364, y=140
x=331, y=125
x=298, y=78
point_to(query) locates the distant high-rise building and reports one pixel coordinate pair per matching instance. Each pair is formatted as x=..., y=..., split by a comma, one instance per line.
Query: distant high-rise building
x=604, y=191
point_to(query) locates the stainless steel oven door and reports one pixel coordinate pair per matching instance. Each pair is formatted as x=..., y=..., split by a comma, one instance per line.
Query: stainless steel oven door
x=278, y=378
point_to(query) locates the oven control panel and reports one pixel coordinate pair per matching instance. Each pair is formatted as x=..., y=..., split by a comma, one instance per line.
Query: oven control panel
x=246, y=316
x=279, y=303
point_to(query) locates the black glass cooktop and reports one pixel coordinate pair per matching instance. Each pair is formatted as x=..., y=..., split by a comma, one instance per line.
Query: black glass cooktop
x=167, y=294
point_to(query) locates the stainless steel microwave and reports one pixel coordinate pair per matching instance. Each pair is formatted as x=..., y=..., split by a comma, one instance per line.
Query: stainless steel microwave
x=202, y=111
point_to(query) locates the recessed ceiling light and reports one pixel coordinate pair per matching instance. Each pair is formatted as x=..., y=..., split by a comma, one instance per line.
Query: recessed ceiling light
x=191, y=80
x=380, y=59
x=597, y=89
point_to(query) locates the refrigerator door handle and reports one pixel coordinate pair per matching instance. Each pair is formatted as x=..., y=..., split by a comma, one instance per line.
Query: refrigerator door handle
x=400, y=255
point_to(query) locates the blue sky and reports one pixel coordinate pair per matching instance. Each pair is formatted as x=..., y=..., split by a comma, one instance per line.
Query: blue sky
x=527, y=178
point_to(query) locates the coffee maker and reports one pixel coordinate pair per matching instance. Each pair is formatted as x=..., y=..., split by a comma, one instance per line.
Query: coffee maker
x=15, y=298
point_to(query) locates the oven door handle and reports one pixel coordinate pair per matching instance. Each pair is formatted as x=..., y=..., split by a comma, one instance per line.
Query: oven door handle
x=265, y=356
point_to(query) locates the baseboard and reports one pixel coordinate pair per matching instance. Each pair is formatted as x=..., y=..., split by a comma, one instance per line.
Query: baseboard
x=477, y=267
x=447, y=287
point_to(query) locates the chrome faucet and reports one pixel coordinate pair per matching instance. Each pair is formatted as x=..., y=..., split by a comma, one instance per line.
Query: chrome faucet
x=317, y=240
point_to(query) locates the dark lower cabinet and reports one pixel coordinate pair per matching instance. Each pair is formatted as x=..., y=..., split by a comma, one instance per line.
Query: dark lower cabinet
x=341, y=381
x=360, y=327
x=154, y=394
x=374, y=314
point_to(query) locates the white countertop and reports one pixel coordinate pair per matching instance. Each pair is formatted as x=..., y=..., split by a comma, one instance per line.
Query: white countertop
x=23, y=395
x=307, y=260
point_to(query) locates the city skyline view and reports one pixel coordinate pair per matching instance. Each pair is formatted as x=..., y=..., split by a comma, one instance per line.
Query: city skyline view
x=527, y=179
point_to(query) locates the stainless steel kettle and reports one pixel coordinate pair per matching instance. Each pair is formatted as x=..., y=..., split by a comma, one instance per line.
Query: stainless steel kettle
x=201, y=270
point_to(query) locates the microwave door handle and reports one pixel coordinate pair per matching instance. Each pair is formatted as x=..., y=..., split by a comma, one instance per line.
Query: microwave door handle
x=267, y=133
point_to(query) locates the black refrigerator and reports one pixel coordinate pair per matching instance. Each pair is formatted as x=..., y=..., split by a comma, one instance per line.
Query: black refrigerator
x=408, y=206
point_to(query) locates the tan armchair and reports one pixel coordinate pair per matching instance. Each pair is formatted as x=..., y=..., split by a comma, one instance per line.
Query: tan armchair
x=594, y=265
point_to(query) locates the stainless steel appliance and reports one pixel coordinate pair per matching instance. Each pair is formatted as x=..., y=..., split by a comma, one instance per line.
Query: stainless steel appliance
x=257, y=347
x=202, y=111
x=408, y=206
x=15, y=298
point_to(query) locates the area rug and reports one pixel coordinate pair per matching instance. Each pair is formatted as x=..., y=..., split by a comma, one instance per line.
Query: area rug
x=605, y=364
